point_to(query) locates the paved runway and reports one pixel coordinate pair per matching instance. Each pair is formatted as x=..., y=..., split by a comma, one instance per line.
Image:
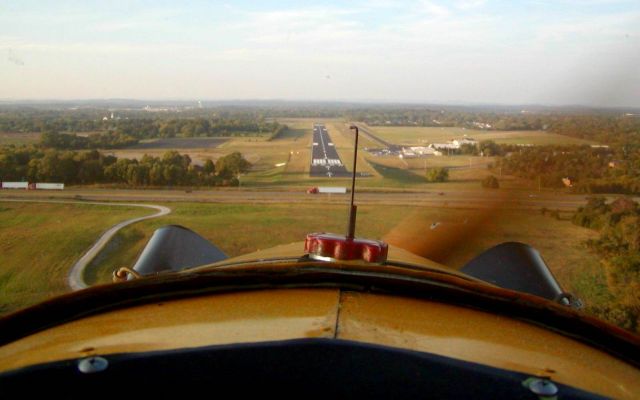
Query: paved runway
x=325, y=160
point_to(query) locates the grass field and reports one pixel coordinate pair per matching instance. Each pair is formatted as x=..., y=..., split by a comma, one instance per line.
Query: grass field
x=240, y=229
x=393, y=176
x=19, y=138
x=293, y=150
x=262, y=153
x=39, y=243
x=180, y=143
x=386, y=172
x=420, y=135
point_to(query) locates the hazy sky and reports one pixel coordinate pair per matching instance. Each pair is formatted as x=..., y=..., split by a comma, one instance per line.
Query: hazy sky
x=465, y=51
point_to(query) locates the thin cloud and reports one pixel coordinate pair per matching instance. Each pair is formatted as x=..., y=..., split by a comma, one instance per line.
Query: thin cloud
x=469, y=4
x=433, y=9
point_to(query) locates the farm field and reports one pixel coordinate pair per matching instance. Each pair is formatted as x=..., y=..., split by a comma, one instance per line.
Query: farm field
x=180, y=143
x=420, y=135
x=240, y=229
x=19, y=138
x=262, y=153
x=39, y=242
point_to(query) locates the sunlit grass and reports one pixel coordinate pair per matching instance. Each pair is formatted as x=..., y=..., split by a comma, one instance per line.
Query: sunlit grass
x=39, y=243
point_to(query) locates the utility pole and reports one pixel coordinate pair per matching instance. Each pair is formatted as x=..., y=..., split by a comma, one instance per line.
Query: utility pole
x=353, y=208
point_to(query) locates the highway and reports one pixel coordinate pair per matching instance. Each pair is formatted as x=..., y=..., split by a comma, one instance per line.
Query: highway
x=325, y=161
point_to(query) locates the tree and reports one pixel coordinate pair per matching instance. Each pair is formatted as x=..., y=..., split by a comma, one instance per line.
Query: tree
x=172, y=157
x=173, y=174
x=231, y=165
x=91, y=171
x=490, y=182
x=50, y=165
x=467, y=148
x=489, y=148
x=438, y=175
x=209, y=167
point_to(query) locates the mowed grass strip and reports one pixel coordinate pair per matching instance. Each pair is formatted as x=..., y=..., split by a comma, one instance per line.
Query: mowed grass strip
x=40, y=242
x=344, y=139
x=395, y=176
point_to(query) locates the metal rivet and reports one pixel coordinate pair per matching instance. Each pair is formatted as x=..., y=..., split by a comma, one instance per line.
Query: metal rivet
x=543, y=387
x=92, y=364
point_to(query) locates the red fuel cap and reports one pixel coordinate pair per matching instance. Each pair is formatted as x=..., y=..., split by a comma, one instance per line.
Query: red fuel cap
x=329, y=246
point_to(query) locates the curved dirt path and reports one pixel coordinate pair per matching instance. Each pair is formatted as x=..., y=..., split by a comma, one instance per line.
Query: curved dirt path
x=75, y=279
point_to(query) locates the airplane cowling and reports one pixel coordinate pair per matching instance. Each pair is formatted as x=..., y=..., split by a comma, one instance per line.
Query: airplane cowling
x=518, y=266
x=174, y=248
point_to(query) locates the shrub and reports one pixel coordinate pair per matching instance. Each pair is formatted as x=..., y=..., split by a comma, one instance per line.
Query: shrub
x=490, y=182
x=438, y=175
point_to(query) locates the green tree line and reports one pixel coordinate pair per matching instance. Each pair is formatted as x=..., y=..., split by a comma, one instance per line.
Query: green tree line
x=89, y=167
x=618, y=248
x=108, y=140
x=590, y=170
x=60, y=130
x=604, y=127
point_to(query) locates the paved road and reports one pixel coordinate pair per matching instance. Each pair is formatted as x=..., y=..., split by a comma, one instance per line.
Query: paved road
x=75, y=279
x=325, y=161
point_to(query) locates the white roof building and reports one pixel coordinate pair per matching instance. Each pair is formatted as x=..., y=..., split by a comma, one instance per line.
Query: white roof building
x=466, y=140
x=419, y=151
x=446, y=146
x=424, y=150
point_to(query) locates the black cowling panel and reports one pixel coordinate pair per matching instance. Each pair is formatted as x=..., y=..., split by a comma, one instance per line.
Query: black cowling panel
x=515, y=266
x=174, y=248
x=305, y=368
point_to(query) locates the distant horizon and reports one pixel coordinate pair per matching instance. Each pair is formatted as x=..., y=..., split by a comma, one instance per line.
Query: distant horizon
x=336, y=102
